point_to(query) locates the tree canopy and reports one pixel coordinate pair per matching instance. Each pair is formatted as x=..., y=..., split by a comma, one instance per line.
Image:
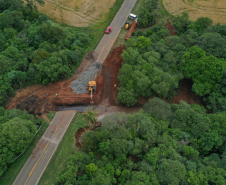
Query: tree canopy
x=34, y=49
x=185, y=146
x=17, y=130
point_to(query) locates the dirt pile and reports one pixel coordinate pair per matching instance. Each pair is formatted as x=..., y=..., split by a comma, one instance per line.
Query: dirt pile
x=34, y=98
x=79, y=86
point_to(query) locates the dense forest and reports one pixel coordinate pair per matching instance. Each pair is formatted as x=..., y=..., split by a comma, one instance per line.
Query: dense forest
x=161, y=144
x=17, y=130
x=154, y=62
x=34, y=49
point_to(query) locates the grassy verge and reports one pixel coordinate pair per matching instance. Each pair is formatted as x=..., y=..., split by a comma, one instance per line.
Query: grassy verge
x=10, y=175
x=51, y=114
x=64, y=150
x=120, y=41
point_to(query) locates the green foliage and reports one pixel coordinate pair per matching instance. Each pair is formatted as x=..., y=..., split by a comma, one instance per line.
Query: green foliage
x=33, y=49
x=51, y=115
x=201, y=24
x=149, y=13
x=205, y=71
x=91, y=169
x=147, y=71
x=142, y=42
x=181, y=22
x=185, y=146
x=91, y=114
x=171, y=172
x=17, y=130
x=158, y=109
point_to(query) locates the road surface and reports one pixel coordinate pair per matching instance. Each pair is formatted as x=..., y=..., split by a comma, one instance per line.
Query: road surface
x=44, y=150
x=118, y=22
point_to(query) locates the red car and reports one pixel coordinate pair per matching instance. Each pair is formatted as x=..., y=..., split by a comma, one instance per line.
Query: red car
x=108, y=30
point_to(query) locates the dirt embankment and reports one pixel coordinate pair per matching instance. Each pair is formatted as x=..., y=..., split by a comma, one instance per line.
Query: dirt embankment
x=34, y=99
x=110, y=70
x=81, y=131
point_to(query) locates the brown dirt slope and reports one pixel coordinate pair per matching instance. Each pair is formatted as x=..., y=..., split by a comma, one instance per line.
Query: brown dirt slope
x=34, y=99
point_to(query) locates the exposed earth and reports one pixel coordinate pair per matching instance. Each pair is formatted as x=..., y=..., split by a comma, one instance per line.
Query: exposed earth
x=214, y=9
x=79, y=13
x=34, y=99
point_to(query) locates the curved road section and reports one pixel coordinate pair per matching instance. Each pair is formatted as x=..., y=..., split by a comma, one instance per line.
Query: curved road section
x=44, y=150
x=108, y=40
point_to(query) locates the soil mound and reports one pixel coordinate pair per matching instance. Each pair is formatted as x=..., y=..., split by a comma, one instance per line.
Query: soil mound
x=34, y=99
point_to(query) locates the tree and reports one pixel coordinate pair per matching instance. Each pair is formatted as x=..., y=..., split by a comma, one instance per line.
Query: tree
x=214, y=44
x=195, y=178
x=181, y=22
x=91, y=169
x=101, y=178
x=142, y=42
x=139, y=178
x=12, y=19
x=171, y=172
x=15, y=136
x=202, y=23
x=127, y=97
x=158, y=109
x=32, y=4
x=205, y=71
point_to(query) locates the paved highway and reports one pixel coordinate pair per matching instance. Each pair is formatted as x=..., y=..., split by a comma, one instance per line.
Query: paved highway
x=44, y=150
x=118, y=22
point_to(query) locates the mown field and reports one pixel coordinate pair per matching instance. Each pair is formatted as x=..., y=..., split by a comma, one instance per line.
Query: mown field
x=214, y=9
x=79, y=13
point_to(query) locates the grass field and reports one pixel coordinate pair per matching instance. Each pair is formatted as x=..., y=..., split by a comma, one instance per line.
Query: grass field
x=64, y=150
x=10, y=175
x=79, y=13
x=214, y=9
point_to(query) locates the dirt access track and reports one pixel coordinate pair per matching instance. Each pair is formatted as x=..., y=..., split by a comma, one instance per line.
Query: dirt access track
x=79, y=13
x=214, y=9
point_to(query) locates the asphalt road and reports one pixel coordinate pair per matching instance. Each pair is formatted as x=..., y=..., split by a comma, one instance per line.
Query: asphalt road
x=44, y=150
x=118, y=22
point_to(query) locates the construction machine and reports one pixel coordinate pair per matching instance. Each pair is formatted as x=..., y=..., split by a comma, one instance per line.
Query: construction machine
x=128, y=25
x=92, y=89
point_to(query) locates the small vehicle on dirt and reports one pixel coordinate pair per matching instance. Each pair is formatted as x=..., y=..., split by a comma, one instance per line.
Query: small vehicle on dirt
x=128, y=25
x=108, y=30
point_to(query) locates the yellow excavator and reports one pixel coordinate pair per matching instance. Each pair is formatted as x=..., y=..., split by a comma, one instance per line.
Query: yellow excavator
x=128, y=25
x=92, y=89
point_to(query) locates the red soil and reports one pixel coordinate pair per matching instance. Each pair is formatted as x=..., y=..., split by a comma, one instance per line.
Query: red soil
x=111, y=68
x=80, y=132
x=34, y=99
x=170, y=28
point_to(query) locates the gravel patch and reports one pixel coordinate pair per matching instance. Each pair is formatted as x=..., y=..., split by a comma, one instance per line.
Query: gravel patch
x=80, y=85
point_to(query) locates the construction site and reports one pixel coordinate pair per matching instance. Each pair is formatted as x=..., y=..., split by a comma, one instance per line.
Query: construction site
x=76, y=91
